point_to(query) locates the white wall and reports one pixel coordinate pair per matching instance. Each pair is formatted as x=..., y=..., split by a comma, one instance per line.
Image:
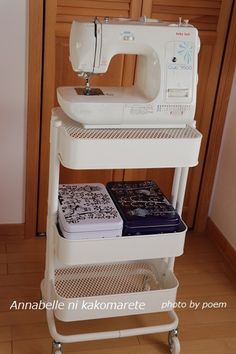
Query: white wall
x=223, y=202
x=13, y=86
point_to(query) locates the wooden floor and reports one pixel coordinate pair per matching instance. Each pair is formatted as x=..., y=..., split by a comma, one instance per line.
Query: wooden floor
x=203, y=276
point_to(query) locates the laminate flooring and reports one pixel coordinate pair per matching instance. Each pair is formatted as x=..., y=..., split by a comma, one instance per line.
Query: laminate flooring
x=204, y=277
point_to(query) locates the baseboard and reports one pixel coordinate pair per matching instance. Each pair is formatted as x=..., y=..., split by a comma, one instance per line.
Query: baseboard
x=12, y=230
x=222, y=243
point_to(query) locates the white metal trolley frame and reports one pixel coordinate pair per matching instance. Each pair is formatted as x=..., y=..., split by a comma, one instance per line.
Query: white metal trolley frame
x=78, y=148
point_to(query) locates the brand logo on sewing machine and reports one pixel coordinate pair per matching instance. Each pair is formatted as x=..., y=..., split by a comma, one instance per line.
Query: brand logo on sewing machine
x=127, y=36
x=183, y=34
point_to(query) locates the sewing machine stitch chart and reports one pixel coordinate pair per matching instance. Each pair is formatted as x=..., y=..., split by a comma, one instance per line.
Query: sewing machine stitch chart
x=152, y=125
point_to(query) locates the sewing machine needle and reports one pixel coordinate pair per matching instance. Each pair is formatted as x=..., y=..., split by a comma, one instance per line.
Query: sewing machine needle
x=87, y=85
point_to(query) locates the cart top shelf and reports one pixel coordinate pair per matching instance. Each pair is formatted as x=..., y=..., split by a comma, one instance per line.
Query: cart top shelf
x=80, y=148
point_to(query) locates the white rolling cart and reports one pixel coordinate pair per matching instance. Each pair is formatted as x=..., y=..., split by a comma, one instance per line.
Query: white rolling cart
x=123, y=269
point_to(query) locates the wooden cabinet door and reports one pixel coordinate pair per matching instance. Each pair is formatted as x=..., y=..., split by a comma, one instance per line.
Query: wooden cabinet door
x=209, y=16
x=58, y=72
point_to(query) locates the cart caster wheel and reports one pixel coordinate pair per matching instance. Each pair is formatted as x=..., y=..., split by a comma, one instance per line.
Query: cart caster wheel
x=56, y=347
x=173, y=341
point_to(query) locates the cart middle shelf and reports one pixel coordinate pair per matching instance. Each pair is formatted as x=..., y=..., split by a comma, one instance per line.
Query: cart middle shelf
x=118, y=249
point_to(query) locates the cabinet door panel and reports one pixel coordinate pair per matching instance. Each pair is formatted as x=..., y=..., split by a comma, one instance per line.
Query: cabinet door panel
x=58, y=72
x=212, y=19
x=209, y=16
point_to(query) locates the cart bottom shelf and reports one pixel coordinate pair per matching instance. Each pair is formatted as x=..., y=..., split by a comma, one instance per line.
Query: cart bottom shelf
x=116, y=289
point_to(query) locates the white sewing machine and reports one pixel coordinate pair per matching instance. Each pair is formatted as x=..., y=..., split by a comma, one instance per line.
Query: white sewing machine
x=164, y=90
